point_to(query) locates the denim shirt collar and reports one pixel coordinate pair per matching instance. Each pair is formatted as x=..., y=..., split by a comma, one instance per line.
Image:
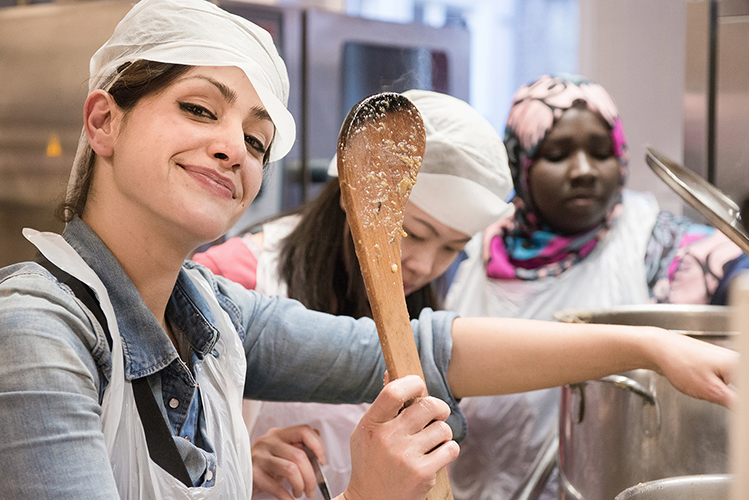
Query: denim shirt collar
x=146, y=346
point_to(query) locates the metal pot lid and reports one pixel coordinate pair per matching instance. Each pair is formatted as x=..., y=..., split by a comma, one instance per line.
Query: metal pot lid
x=709, y=201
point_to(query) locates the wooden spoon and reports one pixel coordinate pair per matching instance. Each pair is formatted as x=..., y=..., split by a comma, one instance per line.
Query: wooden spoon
x=380, y=148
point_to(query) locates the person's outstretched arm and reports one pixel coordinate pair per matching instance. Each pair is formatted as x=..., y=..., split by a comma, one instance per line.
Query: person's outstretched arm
x=500, y=356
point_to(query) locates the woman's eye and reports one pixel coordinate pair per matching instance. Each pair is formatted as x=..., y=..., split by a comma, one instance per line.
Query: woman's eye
x=451, y=251
x=601, y=148
x=555, y=156
x=255, y=144
x=196, y=109
x=603, y=155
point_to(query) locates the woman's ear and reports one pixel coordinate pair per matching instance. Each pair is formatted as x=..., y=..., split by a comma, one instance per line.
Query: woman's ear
x=99, y=121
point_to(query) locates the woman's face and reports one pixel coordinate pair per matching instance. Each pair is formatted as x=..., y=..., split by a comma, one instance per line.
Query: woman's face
x=575, y=174
x=429, y=248
x=190, y=158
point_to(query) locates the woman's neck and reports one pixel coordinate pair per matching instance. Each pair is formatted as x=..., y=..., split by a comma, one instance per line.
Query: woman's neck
x=150, y=258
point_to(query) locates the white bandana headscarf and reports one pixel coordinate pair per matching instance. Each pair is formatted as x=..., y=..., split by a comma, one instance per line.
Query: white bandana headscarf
x=464, y=180
x=195, y=33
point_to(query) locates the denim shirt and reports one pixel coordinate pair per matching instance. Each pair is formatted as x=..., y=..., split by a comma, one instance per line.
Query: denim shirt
x=55, y=365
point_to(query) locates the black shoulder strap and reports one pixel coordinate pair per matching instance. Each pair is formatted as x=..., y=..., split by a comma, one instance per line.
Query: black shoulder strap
x=161, y=447
x=80, y=289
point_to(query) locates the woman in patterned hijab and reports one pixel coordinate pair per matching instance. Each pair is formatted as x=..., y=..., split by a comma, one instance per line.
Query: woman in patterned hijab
x=577, y=239
x=535, y=244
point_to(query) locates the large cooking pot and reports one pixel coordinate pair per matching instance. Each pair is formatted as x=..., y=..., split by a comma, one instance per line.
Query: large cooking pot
x=704, y=487
x=636, y=427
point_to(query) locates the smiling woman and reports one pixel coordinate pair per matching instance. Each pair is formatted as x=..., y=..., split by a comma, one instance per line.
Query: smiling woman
x=186, y=104
x=207, y=112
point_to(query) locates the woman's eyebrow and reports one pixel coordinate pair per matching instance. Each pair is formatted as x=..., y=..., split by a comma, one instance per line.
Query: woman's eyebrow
x=261, y=113
x=229, y=95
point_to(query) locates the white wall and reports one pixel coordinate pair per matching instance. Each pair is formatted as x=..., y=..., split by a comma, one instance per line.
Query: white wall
x=637, y=51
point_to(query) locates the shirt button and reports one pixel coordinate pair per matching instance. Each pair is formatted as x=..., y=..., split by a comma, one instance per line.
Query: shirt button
x=208, y=475
x=173, y=403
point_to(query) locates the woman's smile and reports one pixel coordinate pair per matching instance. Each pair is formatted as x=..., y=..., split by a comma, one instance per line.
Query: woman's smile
x=212, y=180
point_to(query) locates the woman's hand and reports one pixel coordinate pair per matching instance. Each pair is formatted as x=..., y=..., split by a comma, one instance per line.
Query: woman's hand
x=396, y=454
x=698, y=369
x=278, y=455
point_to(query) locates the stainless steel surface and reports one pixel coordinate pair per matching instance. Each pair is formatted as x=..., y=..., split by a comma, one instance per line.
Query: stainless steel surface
x=340, y=48
x=731, y=99
x=710, y=202
x=612, y=438
x=44, y=55
x=322, y=483
x=702, y=487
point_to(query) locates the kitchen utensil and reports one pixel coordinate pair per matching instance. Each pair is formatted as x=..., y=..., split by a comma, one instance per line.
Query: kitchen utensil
x=322, y=483
x=380, y=148
x=636, y=427
x=709, y=201
x=702, y=487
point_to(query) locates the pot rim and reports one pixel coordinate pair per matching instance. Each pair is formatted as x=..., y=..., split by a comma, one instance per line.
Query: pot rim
x=660, y=484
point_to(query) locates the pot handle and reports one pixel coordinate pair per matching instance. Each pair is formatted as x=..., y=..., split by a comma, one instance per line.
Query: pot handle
x=633, y=386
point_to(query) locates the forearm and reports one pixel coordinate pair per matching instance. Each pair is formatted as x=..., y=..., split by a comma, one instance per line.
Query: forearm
x=501, y=356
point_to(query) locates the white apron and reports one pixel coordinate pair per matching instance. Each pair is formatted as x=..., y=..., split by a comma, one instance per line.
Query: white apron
x=518, y=424
x=221, y=382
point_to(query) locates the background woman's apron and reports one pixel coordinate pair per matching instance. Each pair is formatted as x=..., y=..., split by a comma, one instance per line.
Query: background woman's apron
x=506, y=433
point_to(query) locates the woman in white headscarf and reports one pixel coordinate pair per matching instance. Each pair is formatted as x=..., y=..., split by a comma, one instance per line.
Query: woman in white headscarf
x=123, y=367
x=309, y=255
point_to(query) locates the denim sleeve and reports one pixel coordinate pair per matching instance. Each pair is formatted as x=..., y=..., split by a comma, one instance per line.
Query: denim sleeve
x=295, y=354
x=52, y=446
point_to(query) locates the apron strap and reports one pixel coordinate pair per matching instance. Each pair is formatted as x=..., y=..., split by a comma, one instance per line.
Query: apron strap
x=161, y=447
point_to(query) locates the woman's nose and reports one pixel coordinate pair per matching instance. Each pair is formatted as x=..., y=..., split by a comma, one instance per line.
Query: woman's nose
x=419, y=263
x=228, y=147
x=581, y=165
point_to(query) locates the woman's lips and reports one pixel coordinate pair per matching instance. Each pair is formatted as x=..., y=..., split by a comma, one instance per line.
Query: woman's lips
x=583, y=200
x=218, y=183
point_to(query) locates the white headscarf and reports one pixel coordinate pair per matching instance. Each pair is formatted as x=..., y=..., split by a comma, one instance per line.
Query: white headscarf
x=464, y=179
x=195, y=33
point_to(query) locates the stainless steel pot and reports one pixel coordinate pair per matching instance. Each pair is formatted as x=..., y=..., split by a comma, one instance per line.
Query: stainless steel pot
x=636, y=427
x=704, y=487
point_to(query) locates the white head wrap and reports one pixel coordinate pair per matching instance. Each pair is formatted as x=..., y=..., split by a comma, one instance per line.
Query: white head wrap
x=464, y=180
x=196, y=33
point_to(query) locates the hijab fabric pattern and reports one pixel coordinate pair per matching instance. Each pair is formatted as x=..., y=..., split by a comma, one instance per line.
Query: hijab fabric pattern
x=522, y=247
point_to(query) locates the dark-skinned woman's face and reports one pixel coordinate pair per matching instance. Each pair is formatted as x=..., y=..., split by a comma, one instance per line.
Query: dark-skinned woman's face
x=575, y=174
